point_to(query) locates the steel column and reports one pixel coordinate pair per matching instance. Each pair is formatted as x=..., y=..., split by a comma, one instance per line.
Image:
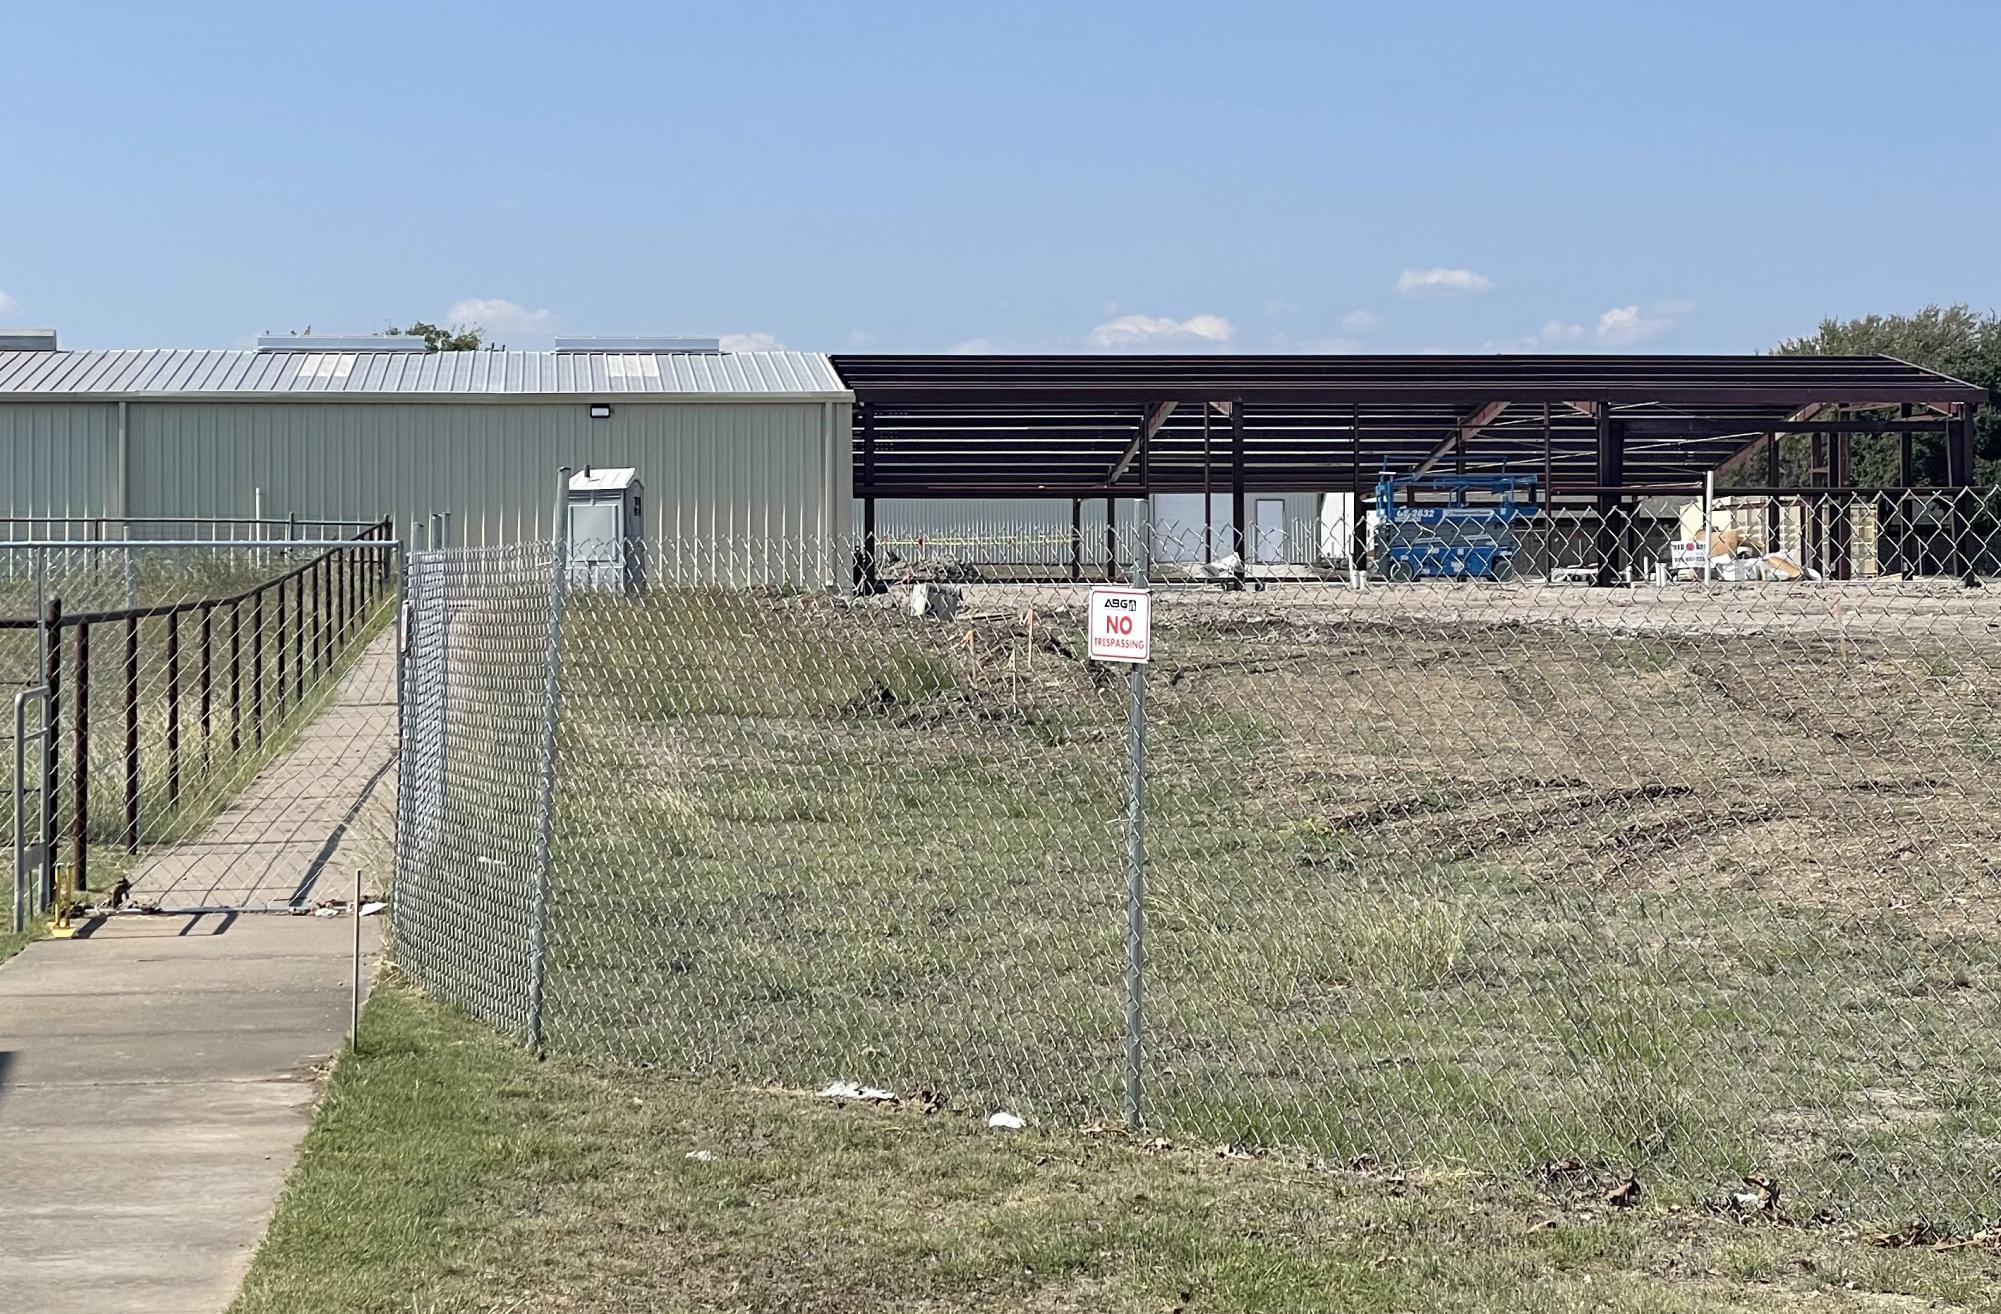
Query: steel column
x=1111, y=538
x=1239, y=543
x=1960, y=456
x=1076, y=539
x=867, y=582
x=1208, y=492
x=1840, y=512
x=1611, y=475
x=1358, y=523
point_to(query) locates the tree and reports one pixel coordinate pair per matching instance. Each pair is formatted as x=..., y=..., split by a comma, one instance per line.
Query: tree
x=1955, y=340
x=443, y=339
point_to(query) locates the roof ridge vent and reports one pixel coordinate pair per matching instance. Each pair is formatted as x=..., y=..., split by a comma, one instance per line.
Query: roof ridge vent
x=331, y=342
x=27, y=339
x=670, y=346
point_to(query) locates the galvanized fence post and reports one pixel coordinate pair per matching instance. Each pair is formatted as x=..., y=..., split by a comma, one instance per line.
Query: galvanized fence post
x=1136, y=836
x=559, y=571
x=399, y=564
x=42, y=631
x=406, y=902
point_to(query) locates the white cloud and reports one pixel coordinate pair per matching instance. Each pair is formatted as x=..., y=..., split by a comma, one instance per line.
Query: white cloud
x=1280, y=306
x=1361, y=321
x=1445, y=282
x=750, y=342
x=8, y=306
x=1553, y=335
x=502, y=320
x=1129, y=331
x=1623, y=326
x=972, y=347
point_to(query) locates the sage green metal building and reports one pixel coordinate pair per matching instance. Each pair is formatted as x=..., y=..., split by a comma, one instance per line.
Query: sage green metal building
x=732, y=445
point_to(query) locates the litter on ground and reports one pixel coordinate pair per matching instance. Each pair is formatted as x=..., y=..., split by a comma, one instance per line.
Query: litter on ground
x=854, y=1090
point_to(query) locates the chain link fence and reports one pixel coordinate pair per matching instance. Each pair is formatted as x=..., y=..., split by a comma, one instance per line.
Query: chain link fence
x=1688, y=878
x=471, y=869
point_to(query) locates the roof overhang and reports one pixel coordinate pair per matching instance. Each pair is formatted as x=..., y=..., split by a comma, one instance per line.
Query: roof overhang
x=1075, y=425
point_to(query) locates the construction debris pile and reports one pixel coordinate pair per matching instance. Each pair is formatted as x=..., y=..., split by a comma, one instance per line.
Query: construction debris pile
x=1731, y=554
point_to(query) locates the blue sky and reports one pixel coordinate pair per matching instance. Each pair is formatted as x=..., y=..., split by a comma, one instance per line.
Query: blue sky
x=1694, y=176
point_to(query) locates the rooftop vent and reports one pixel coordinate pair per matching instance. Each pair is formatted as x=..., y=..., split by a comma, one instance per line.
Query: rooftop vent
x=27, y=339
x=683, y=346
x=323, y=342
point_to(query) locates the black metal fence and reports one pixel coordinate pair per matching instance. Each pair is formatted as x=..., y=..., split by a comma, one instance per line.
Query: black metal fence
x=195, y=686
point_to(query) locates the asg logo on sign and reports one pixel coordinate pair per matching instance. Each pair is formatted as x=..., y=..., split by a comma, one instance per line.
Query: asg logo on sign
x=1121, y=625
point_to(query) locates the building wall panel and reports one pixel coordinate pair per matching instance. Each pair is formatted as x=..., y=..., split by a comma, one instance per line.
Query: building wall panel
x=712, y=470
x=56, y=459
x=709, y=468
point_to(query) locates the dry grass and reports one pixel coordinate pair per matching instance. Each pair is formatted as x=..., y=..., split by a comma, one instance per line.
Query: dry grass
x=1450, y=889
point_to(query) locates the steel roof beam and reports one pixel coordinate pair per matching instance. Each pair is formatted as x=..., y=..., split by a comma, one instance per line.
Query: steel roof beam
x=1461, y=435
x=1147, y=429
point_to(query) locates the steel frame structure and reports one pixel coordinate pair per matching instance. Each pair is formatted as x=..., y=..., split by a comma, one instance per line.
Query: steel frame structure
x=1600, y=431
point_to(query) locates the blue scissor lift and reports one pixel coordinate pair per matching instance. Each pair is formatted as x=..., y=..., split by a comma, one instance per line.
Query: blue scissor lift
x=1449, y=535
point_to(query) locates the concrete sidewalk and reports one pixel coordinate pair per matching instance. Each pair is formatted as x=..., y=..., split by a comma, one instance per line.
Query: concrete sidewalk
x=155, y=1081
x=299, y=828
x=157, y=1073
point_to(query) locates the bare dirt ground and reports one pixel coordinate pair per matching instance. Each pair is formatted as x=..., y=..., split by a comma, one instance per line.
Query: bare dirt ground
x=1935, y=605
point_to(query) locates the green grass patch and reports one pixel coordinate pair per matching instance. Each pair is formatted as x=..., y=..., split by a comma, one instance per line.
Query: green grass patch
x=13, y=942
x=450, y=1171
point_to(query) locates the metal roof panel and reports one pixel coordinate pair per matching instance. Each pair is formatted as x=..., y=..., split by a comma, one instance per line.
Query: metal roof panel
x=184, y=372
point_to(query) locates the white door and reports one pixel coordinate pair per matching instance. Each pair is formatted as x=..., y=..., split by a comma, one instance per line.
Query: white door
x=1270, y=544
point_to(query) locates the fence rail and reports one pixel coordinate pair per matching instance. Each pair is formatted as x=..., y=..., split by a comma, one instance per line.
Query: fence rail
x=1690, y=877
x=142, y=529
